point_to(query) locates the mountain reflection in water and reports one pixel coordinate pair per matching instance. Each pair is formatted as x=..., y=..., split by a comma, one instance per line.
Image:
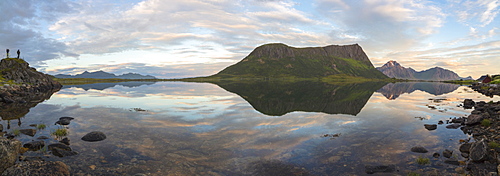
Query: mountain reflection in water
x=102, y=86
x=277, y=98
x=393, y=90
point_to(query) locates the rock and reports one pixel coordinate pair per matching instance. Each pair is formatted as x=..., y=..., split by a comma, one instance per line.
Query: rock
x=64, y=120
x=479, y=151
x=31, y=158
x=469, y=103
x=453, y=126
x=457, y=120
x=1, y=127
x=34, y=145
x=29, y=132
x=474, y=119
x=42, y=137
x=49, y=168
x=447, y=153
x=452, y=161
x=465, y=148
x=381, y=168
x=59, y=145
x=430, y=127
x=440, y=122
x=94, y=136
x=481, y=168
x=465, y=155
x=460, y=170
x=436, y=155
x=62, y=153
x=10, y=136
x=65, y=141
x=9, y=149
x=419, y=149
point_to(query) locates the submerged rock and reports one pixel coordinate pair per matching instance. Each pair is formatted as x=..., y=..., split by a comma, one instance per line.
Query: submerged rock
x=35, y=145
x=430, y=127
x=419, y=149
x=65, y=141
x=381, y=168
x=453, y=126
x=94, y=136
x=29, y=132
x=447, y=153
x=9, y=149
x=465, y=148
x=50, y=168
x=62, y=153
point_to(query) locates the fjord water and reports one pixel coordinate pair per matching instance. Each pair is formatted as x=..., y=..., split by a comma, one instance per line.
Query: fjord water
x=253, y=128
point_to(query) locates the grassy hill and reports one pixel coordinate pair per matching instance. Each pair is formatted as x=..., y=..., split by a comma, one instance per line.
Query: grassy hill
x=279, y=60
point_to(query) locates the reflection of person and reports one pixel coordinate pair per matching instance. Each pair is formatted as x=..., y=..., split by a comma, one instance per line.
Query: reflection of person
x=7, y=53
x=18, y=53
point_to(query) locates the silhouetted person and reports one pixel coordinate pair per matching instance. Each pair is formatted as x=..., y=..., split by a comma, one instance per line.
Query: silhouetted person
x=18, y=53
x=7, y=52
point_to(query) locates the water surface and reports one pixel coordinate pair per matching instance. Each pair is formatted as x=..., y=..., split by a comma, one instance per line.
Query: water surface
x=252, y=128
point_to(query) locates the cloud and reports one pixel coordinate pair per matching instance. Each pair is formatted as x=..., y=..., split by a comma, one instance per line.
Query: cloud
x=383, y=24
x=22, y=28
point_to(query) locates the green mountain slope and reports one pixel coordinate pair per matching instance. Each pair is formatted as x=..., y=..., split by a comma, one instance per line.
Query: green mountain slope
x=280, y=60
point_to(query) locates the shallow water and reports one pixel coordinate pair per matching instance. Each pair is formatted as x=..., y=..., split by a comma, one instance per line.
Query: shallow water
x=263, y=128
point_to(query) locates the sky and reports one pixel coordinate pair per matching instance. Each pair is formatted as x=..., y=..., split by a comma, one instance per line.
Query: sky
x=189, y=38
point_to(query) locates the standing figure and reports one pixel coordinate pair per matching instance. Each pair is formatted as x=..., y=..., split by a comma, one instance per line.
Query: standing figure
x=18, y=53
x=7, y=53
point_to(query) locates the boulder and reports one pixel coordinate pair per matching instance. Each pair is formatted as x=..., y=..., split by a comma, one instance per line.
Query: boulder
x=48, y=168
x=474, y=119
x=430, y=127
x=452, y=161
x=419, y=149
x=469, y=103
x=94, y=136
x=64, y=120
x=479, y=151
x=9, y=149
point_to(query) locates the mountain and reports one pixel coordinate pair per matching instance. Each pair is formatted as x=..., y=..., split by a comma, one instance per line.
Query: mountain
x=394, y=70
x=105, y=75
x=280, y=60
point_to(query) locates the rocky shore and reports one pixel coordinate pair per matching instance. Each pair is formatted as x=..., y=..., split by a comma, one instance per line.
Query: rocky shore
x=486, y=89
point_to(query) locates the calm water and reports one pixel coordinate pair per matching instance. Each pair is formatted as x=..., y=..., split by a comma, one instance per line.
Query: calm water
x=259, y=128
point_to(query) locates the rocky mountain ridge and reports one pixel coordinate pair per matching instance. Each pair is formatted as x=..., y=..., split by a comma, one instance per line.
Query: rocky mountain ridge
x=21, y=83
x=280, y=60
x=393, y=69
x=104, y=75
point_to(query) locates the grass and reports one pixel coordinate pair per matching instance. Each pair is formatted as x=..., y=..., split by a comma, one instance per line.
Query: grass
x=486, y=122
x=41, y=126
x=493, y=144
x=423, y=161
x=60, y=132
x=16, y=132
x=413, y=174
